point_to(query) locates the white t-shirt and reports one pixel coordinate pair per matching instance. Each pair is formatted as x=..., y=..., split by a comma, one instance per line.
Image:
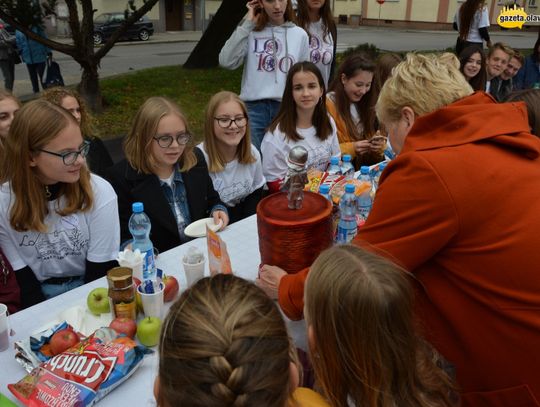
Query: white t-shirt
x=275, y=149
x=480, y=20
x=321, y=49
x=70, y=240
x=236, y=181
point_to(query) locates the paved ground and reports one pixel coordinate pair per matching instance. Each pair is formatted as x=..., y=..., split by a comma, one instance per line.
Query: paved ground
x=171, y=48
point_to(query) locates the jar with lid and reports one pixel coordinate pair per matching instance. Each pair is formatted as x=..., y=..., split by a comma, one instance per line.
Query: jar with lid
x=121, y=292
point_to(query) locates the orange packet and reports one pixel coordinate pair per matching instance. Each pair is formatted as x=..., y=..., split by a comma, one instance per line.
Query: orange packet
x=218, y=256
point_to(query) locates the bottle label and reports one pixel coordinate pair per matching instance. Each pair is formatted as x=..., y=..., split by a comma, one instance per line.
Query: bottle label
x=345, y=235
x=148, y=265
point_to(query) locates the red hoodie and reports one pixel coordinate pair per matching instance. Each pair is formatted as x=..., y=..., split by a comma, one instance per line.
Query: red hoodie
x=460, y=208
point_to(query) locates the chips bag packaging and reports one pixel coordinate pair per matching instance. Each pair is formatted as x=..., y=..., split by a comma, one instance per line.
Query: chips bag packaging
x=83, y=374
x=218, y=257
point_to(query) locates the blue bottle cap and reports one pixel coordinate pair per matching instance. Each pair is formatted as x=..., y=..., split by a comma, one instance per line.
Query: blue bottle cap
x=324, y=189
x=364, y=169
x=347, y=158
x=137, y=207
x=334, y=160
x=349, y=188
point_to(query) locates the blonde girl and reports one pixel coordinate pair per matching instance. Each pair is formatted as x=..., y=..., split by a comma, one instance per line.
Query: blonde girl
x=98, y=159
x=363, y=340
x=58, y=223
x=166, y=173
x=234, y=164
x=268, y=43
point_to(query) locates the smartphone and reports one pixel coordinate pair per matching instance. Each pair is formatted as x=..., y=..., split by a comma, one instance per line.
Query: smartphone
x=377, y=139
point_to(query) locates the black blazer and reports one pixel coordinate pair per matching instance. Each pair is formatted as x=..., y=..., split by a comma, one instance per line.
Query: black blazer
x=131, y=186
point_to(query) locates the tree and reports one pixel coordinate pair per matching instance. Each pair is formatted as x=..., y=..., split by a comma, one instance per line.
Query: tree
x=23, y=14
x=206, y=52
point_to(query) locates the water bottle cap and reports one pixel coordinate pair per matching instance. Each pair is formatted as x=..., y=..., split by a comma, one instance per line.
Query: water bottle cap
x=334, y=160
x=349, y=188
x=324, y=189
x=347, y=158
x=364, y=169
x=137, y=207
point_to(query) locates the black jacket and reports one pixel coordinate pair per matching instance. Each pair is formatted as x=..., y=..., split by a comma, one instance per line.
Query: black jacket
x=131, y=186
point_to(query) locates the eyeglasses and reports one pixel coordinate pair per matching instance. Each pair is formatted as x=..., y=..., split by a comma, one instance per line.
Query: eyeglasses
x=69, y=157
x=226, y=122
x=166, y=140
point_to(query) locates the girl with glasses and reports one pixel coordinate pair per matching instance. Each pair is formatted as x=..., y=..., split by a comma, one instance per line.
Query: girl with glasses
x=58, y=223
x=166, y=173
x=234, y=164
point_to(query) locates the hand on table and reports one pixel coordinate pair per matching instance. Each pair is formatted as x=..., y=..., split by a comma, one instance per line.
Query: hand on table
x=269, y=279
x=362, y=146
x=221, y=216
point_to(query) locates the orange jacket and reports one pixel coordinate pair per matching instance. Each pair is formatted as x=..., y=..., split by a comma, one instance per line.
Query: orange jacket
x=460, y=208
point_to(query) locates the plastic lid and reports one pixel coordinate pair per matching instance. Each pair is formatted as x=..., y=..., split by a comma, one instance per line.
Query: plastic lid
x=137, y=207
x=347, y=158
x=364, y=169
x=349, y=188
x=334, y=160
x=324, y=189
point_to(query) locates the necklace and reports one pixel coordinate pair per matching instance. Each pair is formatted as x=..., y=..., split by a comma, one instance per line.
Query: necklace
x=47, y=192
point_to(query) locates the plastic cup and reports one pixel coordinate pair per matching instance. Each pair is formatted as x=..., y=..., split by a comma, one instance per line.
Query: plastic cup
x=194, y=272
x=4, y=328
x=152, y=303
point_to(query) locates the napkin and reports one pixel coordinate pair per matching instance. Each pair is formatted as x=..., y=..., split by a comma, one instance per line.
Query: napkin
x=133, y=260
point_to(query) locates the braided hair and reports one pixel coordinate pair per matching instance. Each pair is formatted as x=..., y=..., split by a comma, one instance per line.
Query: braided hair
x=223, y=343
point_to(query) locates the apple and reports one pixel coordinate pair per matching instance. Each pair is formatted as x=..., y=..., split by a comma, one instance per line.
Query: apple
x=98, y=301
x=125, y=326
x=63, y=340
x=148, y=331
x=171, y=288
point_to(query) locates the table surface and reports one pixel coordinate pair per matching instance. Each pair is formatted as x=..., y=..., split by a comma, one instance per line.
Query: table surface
x=242, y=243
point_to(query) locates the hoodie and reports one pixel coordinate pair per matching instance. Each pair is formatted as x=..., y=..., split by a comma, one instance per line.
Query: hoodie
x=459, y=208
x=267, y=54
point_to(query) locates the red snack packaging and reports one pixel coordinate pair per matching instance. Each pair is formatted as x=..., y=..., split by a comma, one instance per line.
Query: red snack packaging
x=83, y=374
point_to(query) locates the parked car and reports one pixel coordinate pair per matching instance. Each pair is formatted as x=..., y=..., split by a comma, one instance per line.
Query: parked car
x=107, y=23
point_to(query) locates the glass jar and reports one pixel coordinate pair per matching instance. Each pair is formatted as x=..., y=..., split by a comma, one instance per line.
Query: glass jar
x=121, y=292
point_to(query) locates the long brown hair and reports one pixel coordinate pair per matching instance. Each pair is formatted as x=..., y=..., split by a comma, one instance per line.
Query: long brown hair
x=217, y=162
x=35, y=124
x=144, y=128
x=287, y=116
x=349, y=68
x=364, y=345
x=263, y=19
x=224, y=343
x=325, y=12
x=466, y=16
x=479, y=81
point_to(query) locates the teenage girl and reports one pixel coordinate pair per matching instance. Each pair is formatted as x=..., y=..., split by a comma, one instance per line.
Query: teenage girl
x=362, y=335
x=9, y=104
x=268, y=43
x=224, y=343
x=473, y=66
x=234, y=164
x=349, y=104
x=98, y=159
x=302, y=120
x=315, y=16
x=58, y=223
x=166, y=173
x=472, y=22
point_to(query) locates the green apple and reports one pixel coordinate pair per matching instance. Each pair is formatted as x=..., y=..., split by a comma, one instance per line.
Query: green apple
x=98, y=301
x=148, y=331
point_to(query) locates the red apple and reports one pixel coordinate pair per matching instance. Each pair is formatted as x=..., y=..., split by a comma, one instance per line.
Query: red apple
x=171, y=288
x=63, y=340
x=125, y=326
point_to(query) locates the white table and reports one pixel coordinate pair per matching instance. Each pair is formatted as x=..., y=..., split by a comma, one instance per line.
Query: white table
x=243, y=247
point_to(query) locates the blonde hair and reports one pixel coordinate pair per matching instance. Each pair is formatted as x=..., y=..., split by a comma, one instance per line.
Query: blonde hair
x=217, y=162
x=57, y=94
x=359, y=307
x=424, y=83
x=224, y=343
x=502, y=47
x=35, y=124
x=5, y=94
x=143, y=130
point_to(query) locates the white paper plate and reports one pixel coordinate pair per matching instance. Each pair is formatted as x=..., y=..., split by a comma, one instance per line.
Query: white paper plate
x=198, y=228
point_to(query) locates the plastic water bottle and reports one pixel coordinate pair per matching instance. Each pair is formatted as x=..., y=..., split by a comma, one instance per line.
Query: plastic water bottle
x=346, y=229
x=334, y=167
x=347, y=169
x=364, y=203
x=139, y=226
x=324, y=190
x=364, y=174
